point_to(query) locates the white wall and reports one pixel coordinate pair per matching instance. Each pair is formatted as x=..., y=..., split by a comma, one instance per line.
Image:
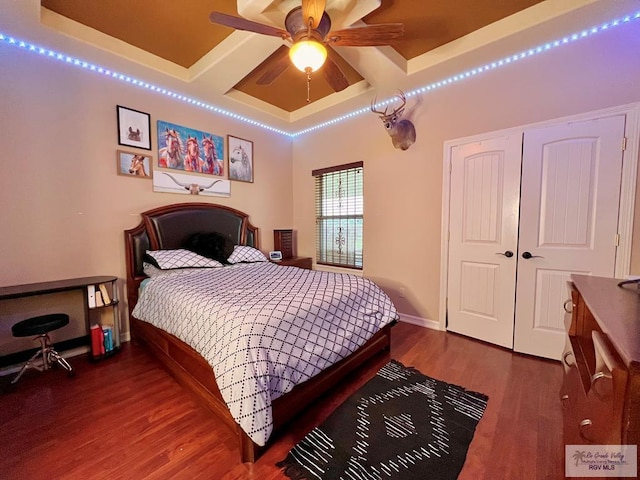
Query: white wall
x=64, y=208
x=403, y=189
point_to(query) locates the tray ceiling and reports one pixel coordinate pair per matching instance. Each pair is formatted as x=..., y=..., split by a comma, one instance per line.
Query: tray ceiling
x=181, y=34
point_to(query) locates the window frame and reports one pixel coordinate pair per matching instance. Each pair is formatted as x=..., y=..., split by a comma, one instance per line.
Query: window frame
x=318, y=175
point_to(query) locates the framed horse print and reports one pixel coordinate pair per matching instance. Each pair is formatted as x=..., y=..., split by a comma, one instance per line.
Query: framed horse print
x=240, y=159
x=135, y=165
x=189, y=150
x=134, y=128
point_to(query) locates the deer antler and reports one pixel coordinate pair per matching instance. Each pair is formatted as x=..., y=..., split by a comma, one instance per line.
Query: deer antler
x=400, y=96
x=373, y=108
x=403, y=99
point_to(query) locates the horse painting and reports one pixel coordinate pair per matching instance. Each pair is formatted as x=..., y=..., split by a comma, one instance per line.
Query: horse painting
x=212, y=164
x=240, y=165
x=171, y=156
x=190, y=150
x=192, y=161
x=137, y=166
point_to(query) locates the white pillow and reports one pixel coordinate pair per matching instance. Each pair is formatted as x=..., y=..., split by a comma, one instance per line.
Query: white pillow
x=180, y=258
x=243, y=253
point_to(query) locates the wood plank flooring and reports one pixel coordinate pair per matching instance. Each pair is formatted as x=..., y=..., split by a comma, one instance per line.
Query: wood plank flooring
x=126, y=418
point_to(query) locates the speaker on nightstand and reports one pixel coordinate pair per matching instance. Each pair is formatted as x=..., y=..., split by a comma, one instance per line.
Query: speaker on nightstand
x=283, y=241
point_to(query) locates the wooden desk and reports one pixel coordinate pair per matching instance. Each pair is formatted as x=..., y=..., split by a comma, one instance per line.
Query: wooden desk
x=65, y=285
x=29, y=289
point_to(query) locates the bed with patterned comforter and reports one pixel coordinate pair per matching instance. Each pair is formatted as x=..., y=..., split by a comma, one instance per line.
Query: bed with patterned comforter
x=264, y=328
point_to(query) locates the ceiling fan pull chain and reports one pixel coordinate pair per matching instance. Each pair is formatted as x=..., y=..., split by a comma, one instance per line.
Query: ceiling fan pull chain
x=308, y=86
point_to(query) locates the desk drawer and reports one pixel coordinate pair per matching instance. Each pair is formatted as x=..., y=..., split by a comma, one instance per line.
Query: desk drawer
x=593, y=412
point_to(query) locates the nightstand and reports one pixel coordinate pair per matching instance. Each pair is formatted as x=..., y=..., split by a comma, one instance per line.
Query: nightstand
x=302, y=262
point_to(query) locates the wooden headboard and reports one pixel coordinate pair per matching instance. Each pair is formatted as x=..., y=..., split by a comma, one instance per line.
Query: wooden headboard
x=168, y=227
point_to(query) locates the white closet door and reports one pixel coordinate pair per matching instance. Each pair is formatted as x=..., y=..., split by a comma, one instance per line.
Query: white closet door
x=568, y=222
x=484, y=204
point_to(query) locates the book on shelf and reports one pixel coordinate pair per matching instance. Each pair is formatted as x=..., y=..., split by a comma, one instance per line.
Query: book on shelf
x=105, y=294
x=91, y=296
x=99, y=302
x=108, y=338
x=97, y=341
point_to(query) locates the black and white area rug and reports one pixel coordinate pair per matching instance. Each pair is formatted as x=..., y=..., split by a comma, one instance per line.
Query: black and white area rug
x=400, y=425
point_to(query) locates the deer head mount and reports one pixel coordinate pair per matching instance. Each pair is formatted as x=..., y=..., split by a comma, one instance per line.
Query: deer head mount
x=401, y=131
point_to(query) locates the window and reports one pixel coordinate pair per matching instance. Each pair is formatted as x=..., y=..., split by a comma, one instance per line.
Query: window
x=339, y=208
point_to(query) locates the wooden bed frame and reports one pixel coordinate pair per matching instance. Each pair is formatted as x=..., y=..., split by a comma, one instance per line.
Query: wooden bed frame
x=167, y=228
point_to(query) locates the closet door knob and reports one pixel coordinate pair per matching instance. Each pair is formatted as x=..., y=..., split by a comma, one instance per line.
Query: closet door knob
x=507, y=254
x=527, y=256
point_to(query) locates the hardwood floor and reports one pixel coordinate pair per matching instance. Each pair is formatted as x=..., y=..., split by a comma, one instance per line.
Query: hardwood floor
x=125, y=418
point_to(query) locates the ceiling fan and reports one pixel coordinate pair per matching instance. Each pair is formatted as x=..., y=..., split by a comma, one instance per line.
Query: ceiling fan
x=308, y=28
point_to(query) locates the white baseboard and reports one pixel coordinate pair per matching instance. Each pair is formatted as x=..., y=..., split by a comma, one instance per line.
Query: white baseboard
x=421, y=322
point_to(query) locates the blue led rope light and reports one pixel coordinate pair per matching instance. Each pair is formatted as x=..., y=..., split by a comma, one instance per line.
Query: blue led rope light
x=453, y=79
x=133, y=81
x=475, y=71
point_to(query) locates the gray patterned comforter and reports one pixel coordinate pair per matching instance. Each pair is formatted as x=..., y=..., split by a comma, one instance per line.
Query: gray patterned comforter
x=264, y=328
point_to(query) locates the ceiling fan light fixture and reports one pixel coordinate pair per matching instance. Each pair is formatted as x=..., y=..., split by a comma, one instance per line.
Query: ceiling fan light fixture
x=308, y=55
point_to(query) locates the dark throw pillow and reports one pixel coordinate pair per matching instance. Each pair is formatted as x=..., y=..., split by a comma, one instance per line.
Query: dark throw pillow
x=211, y=245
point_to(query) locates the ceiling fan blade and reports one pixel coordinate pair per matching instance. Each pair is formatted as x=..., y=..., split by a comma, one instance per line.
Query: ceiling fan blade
x=313, y=9
x=243, y=24
x=371, y=35
x=278, y=64
x=332, y=72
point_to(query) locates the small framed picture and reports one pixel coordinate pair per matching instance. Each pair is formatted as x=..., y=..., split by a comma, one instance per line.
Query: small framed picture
x=134, y=128
x=240, y=159
x=132, y=164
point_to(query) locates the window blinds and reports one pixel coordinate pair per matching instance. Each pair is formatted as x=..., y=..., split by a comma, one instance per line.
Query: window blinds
x=339, y=215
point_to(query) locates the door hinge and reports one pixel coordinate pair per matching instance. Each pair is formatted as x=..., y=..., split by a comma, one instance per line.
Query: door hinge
x=617, y=239
x=624, y=143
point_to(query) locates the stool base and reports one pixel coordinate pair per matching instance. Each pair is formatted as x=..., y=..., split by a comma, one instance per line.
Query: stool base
x=48, y=355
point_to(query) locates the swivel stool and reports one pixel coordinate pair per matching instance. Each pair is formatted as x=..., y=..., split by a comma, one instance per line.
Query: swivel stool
x=40, y=327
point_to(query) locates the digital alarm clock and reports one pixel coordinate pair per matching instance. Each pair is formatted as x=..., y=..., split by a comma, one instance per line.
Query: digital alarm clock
x=275, y=256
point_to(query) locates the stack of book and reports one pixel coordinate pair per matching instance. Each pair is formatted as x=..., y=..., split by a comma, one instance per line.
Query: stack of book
x=101, y=340
x=102, y=336
x=98, y=295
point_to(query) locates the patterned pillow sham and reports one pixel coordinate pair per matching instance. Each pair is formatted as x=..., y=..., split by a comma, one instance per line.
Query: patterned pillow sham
x=242, y=253
x=179, y=258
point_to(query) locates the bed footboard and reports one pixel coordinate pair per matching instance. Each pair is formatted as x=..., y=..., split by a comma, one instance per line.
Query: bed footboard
x=193, y=372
